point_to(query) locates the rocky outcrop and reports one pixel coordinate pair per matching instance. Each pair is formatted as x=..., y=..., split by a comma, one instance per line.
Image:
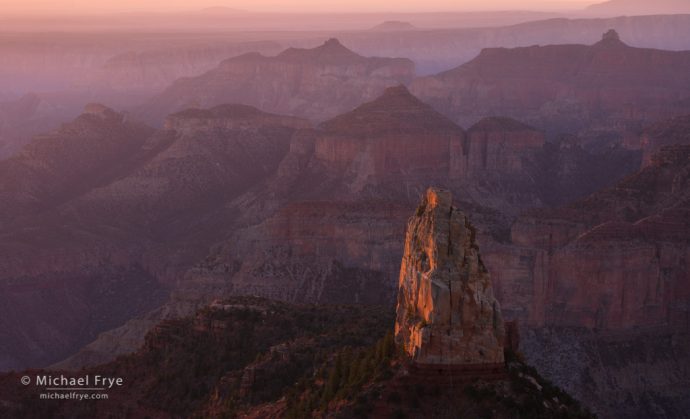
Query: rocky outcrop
x=313, y=83
x=446, y=311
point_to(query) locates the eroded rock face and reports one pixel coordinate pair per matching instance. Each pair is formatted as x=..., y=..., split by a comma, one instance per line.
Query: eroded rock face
x=446, y=312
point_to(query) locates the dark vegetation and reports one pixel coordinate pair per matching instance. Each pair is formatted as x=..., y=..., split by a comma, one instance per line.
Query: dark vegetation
x=371, y=382
x=195, y=366
x=301, y=361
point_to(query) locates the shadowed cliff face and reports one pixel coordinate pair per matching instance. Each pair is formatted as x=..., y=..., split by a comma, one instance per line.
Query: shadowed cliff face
x=617, y=259
x=446, y=310
x=313, y=83
x=669, y=132
x=603, y=286
x=68, y=162
x=104, y=206
x=636, y=374
x=564, y=87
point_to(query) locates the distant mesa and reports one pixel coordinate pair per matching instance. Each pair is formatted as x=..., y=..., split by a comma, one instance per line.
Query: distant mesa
x=394, y=26
x=221, y=10
x=641, y=7
x=607, y=81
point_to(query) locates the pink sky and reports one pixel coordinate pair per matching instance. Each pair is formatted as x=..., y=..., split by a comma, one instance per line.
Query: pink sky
x=90, y=6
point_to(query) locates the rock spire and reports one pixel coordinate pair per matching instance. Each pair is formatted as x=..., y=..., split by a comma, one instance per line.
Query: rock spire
x=446, y=311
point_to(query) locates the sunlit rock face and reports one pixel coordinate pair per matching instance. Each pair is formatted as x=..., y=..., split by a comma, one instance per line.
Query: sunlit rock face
x=446, y=313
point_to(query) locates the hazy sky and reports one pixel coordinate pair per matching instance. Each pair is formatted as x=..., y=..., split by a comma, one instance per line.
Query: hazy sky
x=90, y=6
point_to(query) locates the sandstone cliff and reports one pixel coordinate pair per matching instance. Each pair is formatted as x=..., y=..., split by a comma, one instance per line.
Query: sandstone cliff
x=614, y=260
x=446, y=311
x=599, y=279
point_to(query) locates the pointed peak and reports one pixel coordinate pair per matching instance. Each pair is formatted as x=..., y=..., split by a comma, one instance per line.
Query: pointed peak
x=436, y=198
x=395, y=99
x=396, y=109
x=611, y=35
x=333, y=46
x=333, y=43
x=611, y=39
x=331, y=51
